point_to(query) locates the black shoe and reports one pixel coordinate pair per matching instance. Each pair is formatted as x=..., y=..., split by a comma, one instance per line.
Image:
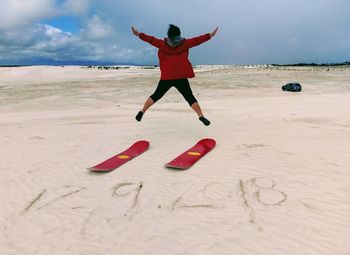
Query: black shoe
x=139, y=116
x=204, y=120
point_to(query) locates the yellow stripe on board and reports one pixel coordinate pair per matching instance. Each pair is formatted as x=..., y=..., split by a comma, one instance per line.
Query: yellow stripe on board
x=123, y=156
x=193, y=153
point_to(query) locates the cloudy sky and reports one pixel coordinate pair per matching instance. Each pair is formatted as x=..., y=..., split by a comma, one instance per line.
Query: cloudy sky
x=250, y=31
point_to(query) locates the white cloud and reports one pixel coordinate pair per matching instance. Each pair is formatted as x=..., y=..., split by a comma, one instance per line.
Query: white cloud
x=54, y=32
x=47, y=42
x=51, y=39
x=16, y=13
x=97, y=29
x=35, y=42
x=294, y=41
x=21, y=13
x=76, y=7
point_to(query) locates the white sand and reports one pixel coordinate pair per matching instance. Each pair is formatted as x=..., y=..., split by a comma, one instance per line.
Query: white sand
x=278, y=181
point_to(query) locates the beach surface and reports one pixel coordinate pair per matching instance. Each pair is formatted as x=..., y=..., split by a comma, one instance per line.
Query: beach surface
x=277, y=182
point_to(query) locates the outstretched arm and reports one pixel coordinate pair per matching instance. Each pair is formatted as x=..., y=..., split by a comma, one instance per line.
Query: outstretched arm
x=147, y=38
x=201, y=39
x=212, y=34
x=134, y=31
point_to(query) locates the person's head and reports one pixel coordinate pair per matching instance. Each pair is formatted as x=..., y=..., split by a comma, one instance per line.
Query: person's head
x=173, y=31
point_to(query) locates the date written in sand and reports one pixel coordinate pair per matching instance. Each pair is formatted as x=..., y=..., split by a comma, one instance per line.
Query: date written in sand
x=252, y=195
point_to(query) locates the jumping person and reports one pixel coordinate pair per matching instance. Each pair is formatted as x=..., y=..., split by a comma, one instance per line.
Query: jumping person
x=175, y=67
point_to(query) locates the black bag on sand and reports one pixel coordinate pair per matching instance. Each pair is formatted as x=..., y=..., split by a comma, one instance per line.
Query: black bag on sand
x=292, y=86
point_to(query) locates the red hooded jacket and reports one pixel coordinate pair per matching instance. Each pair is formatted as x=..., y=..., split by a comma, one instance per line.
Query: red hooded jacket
x=173, y=61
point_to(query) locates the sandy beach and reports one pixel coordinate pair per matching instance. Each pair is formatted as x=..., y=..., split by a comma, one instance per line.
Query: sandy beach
x=277, y=182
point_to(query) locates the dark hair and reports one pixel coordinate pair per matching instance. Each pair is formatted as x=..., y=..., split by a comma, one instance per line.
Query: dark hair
x=173, y=31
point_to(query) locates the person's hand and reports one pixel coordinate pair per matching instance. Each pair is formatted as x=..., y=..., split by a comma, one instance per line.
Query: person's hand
x=134, y=31
x=212, y=34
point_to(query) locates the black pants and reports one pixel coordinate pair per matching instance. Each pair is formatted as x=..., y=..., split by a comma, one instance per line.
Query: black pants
x=182, y=85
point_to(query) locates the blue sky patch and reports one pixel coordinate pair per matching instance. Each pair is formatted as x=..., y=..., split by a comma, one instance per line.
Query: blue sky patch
x=65, y=23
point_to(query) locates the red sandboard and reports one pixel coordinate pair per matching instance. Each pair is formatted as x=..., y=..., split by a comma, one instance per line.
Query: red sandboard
x=192, y=155
x=123, y=157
